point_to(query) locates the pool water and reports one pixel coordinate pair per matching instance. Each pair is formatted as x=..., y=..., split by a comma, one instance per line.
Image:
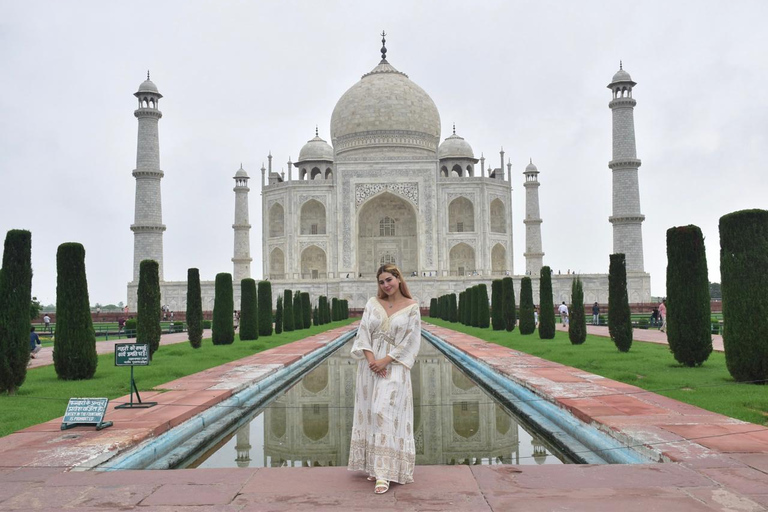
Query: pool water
x=457, y=422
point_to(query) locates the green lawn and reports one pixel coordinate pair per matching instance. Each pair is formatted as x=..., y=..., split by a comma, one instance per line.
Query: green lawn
x=647, y=365
x=43, y=396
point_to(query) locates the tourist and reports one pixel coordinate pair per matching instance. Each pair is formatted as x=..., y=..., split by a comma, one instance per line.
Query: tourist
x=120, y=325
x=655, y=316
x=236, y=319
x=535, y=316
x=47, y=322
x=34, y=343
x=563, y=310
x=595, y=314
x=663, y=315
x=387, y=343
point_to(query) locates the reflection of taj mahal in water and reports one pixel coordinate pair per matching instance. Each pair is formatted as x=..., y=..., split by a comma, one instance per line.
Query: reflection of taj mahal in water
x=457, y=422
x=387, y=190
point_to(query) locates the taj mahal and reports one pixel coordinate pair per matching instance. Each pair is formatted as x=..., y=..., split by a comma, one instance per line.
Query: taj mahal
x=385, y=189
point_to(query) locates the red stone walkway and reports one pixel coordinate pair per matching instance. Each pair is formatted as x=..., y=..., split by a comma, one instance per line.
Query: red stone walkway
x=712, y=462
x=647, y=335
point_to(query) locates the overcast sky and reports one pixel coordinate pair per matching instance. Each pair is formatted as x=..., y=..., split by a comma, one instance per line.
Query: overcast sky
x=242, y=78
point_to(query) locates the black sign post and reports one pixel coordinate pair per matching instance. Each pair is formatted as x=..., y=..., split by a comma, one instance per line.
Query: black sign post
x=133, y=354
x=86, y=411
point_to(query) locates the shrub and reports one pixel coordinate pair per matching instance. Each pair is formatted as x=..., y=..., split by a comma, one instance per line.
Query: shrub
x=497, y=308
x=619, y=315
x=508, y=306
x=207, y=324
x=194, y=308
x=15, y=300
x=249, y=310
x=577, y=327
x=527, y=320
x=432, y=308
x=546, y=305
x=298, y=311
x=306, y=309
x=322, y=304
x=315, y=316
x=223, y=309
x=265, y=308
x=334, y=309
x=289, y=322
x=453, y=309
x=744, y=286
x=148, y=328
x=472, y=306
x=483, y=313
x=689, y=329
x=279, y=312
x=328, y=311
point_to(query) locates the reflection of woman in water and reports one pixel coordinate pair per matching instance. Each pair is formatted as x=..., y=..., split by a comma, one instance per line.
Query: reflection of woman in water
x=387, y=344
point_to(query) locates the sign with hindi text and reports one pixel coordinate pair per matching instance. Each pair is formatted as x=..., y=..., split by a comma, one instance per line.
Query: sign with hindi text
x=131, y=354
x=86, y=411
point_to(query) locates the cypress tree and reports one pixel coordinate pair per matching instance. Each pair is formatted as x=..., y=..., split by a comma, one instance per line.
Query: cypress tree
x=288, y=316
x=265, y=308
x=453, y=317
x=547, y=305
x=298, y=311
x=461, y=307
x=15, y=300
x=334, y=309
x=483, y=312
x=328, y=311
x=441, y=307
x=577, y=326
x=432, y=307
x=321, y=303
x=249, y=310
x=148, y=328
x=346, y=308
x=497, y=308
x=527, y=319
x=689, y=330
x=279, y=321
x=315, y=317
x=619, y=315
x=223, y=309
x=743, y=264
x=306, y=309
x=194, y=308
x=508, y=303
x=473, y=301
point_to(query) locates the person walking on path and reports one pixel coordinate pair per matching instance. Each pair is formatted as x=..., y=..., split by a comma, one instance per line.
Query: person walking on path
x=563, y=310
x=47, y=322
x=595, y=314
x=387, y=343
x=663, y=315
x=34, y=343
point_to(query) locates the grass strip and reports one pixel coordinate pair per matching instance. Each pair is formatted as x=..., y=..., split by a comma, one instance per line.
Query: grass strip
x=44, y=397
x=649, y=366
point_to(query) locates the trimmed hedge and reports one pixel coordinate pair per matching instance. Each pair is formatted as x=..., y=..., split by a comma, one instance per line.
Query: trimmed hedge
x=546, y=305
x=334, y=309
x=508, y=306
x=577, y=326
x=619, y=315
x=315, y=316
x=289, y=322
x=743, y=264
x=689, y=331
x=194, y=309
x=223, y=309
x=279, y=313
x=298, y=312
x=322, y=306
x=249, y=310
x=15, y=300
x=306, y=309
x=148, y=328
x=473, y=306
x=497, y=308
x=483, y=311
x=265, y=308
x=527, y=320
x=432, y=308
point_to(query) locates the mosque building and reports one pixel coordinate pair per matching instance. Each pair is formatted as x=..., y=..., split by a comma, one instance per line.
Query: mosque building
x=386, y=190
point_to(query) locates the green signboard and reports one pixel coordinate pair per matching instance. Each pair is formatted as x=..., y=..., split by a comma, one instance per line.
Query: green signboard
x=86, y=411
x=131, y=354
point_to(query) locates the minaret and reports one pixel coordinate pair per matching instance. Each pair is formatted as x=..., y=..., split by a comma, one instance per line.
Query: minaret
x=243, y=446
x=534, y=256
x=626, y=219
x=242, y=254
x=148, y=225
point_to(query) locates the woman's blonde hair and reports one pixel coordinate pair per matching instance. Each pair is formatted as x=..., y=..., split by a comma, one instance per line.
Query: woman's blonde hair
x=392, y=269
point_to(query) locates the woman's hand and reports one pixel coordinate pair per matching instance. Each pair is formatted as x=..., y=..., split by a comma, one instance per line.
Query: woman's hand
x=379, y=366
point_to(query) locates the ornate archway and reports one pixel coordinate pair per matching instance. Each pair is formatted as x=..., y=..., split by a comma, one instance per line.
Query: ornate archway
x=387, y=228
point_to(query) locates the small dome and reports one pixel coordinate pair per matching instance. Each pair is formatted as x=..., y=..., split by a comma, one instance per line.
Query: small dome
x=531, y=167
x=148, y=86
x=241, y=172
x=621, y=76
x=455, y=147
x=316, y=149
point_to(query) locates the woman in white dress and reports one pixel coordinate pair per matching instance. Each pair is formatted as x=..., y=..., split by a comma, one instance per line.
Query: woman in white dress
x=387, y=344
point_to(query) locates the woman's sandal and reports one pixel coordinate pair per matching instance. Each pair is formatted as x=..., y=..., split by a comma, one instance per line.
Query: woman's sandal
x=381, y=484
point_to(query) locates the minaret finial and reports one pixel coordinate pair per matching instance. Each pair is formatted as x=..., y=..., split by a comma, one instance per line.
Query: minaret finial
x=147, y=74
x=454, y=128
x=316, y=133
x=530, y=160
x=383, y=46
x=621, y=65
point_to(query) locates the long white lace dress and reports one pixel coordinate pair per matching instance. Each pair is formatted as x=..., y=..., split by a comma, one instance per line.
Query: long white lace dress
x=382, y=442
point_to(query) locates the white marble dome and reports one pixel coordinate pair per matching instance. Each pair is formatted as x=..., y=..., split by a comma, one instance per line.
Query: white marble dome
x=455, y=147
x=241, y=172
x=621, y=76
x=531, y=167
x=316, y=149
x=385, y=108
x=148, y=86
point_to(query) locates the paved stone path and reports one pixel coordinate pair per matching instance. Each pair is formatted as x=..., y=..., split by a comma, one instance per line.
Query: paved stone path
x=711, y=462
x=648, y=335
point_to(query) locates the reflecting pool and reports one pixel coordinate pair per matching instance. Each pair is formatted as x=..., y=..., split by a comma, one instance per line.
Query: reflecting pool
x=457, y=422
